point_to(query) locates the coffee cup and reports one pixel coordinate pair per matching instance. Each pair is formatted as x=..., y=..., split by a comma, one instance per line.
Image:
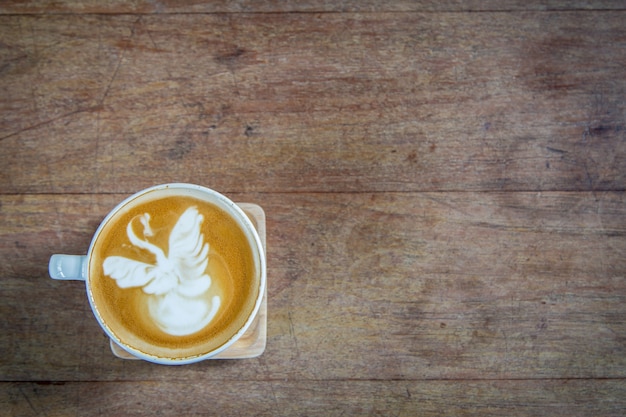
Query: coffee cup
x=174, y=274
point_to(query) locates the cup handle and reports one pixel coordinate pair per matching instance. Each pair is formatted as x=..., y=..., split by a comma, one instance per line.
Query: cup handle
x=67, y=267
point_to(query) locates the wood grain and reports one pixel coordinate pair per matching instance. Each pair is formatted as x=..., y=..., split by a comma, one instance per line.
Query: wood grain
x=375, y=286
x=308, y=6
x=320, y=398
x=330, y=102
x=443, y=182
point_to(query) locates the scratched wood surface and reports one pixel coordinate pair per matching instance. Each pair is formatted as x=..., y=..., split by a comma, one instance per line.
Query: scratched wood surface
x=443, y=184
x=332, y=102
x=300, y=6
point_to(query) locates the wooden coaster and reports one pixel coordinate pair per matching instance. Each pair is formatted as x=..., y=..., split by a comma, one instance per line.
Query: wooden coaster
x=252, y=342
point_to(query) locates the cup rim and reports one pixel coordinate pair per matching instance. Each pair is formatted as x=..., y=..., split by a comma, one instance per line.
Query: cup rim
x=251, y=232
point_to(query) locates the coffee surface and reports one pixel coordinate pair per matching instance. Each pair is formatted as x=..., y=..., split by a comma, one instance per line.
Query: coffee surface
x=173, y=276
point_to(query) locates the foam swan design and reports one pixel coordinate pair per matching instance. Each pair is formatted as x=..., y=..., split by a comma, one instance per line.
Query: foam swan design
x=177, y=283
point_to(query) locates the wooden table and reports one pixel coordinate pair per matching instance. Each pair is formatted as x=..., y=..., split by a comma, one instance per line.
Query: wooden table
x=443, y=183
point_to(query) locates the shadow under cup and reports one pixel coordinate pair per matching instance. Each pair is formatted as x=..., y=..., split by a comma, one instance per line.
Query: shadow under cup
x=176, y=274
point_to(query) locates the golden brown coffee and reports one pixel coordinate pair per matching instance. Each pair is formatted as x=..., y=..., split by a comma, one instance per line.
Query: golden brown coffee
x=173, y=276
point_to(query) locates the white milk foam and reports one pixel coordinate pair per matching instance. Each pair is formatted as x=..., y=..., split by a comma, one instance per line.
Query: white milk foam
x=177, y=284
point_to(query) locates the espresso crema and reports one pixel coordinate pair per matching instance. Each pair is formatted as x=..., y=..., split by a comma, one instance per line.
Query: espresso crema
x=172, y=275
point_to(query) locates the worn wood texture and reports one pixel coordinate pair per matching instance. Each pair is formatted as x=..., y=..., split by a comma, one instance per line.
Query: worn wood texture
x=364, y=286
x=319, y=398
x=444, y=191
x=273, y=6
x=331, y=102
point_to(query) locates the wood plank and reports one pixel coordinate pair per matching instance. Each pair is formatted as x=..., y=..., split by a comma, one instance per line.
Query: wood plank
x=308, y=6
x=330, y=102
x=360, y=286
x=319, y=398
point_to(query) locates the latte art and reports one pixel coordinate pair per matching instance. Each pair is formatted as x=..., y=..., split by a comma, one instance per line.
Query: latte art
x=177, y=284
x=173, y=274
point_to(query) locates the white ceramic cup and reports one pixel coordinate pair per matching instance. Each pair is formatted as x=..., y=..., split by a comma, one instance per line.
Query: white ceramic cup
x=76, y=267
